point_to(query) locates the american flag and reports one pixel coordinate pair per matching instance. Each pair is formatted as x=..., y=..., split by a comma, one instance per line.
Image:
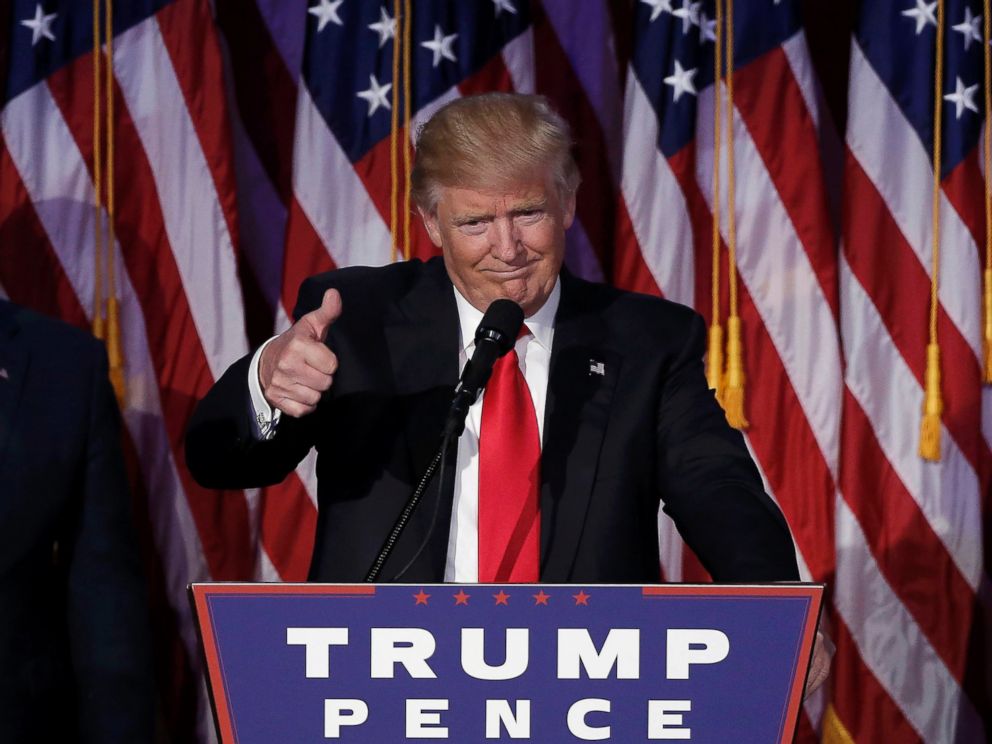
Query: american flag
x=253, y=148
x=912, y=537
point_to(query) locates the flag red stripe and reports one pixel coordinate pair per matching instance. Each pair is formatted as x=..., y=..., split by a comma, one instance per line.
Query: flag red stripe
x=866, y=709
x=597, y=199
x=781, y=436
x=288, y=527
x=264, y=89
x=493, y=76
x=190, y=39
x=908, y=552
x=180, y=363
x=305, y=255
x=896, y=286
x=30, y=270
x=629, y=269
x=374, y=171
x=766, y=94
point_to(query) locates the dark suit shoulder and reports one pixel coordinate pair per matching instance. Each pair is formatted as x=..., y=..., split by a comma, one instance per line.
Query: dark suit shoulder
x=47, y=337
x=365, y=287
x=634, y=316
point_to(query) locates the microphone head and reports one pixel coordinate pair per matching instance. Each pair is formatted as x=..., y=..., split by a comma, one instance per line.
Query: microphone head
x=501, y=324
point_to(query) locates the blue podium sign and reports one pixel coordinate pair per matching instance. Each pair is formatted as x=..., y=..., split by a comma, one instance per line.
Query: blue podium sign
x=473, y=663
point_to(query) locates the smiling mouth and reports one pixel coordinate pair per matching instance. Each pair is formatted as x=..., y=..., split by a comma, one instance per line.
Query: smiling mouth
x=511, y=273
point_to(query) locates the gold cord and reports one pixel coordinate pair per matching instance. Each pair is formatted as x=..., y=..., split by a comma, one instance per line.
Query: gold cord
x=987, y=283
x=714, y=354
x=407, y=118
x=933, y=404
x=98, y=325
x=394, y=126
x=733, y=385
x=114, y=351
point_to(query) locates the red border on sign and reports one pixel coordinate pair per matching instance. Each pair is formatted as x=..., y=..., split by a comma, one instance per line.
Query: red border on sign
x=814, y=592
x=201, y=592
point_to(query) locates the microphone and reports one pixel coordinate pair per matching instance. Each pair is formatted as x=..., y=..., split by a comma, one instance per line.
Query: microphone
x=495, y=336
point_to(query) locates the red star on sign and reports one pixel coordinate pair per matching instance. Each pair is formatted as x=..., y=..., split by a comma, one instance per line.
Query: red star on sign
x=421, y=597
x=461, y=598
x=541, y=598
x=502, y=598
x=581, y=598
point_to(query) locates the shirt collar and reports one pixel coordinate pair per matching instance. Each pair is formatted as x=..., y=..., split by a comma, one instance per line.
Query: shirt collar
x=541, y=323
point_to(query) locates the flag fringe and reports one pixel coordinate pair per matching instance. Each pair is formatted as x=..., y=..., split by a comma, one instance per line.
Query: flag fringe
x=933, y=407
x=733, y=385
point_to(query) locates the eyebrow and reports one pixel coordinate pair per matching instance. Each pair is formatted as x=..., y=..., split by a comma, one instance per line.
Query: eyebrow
x=464, y=219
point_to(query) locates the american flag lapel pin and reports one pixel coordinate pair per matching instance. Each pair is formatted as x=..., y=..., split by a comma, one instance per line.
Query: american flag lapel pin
x=597, y=368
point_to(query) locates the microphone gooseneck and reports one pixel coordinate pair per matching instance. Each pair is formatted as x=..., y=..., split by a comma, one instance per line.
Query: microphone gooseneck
x=495, y=336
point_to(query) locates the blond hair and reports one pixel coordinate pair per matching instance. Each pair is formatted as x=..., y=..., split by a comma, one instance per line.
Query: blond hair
x=490, y=141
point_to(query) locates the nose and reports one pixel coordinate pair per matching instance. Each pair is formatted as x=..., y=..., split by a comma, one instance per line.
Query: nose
x=504, y=240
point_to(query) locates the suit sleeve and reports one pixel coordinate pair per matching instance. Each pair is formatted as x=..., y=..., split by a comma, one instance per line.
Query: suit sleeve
x=709, y=484
x=222, y=448
x=107, y=604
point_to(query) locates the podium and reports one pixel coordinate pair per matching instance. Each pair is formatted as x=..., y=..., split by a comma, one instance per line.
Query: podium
x=475, y=663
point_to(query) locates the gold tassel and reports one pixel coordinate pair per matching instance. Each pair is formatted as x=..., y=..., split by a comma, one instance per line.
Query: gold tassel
x=714, y=360
x=988, y=327
x=933, y=407
x=733, y=384
x=114, y=353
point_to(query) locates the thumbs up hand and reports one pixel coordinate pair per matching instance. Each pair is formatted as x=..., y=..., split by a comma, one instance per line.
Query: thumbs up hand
x=297, y=366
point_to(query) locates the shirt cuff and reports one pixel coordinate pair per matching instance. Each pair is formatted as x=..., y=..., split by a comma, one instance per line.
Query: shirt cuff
x=265, y=419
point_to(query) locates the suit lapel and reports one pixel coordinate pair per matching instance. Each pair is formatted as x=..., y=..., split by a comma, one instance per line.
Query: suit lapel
x=581, y=382
x=422, y=335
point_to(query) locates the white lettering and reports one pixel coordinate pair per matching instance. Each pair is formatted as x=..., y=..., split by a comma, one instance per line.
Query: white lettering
x=662, y=722
x=515, y=720
x=694, y=646
x=411, y=647
x=423, y=719
x=515, y=658
x=622, y=648
x=577, y=719
x=338, y=713
x=318, y=642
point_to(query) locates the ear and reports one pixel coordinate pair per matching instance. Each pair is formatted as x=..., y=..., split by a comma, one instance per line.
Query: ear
x=568, y=210
x=431, y=223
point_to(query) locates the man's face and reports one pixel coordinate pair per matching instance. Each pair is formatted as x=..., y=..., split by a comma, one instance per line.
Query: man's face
x=508, y=242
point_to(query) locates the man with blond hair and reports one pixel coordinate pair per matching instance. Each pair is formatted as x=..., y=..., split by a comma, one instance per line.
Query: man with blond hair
x=600, y=414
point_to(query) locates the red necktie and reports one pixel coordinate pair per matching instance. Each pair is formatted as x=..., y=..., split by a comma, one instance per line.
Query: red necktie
x=509, y=477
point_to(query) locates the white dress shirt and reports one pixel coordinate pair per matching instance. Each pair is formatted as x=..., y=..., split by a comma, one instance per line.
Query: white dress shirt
x=534, y=353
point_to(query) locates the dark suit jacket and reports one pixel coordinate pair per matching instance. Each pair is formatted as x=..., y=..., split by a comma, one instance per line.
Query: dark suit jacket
x=74, y=649
x=614, y=444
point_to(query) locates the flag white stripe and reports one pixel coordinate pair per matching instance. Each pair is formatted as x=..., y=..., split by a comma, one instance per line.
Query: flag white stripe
x=886, y=390
x=891, y=644
x=905, y=182
x=332, y=196
x=187, y=196
x=518, y=56
x=783, y=285
x=655, y=200
x=797, y=52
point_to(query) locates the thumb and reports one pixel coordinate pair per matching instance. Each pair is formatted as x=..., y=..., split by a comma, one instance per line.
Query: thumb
x=320, y=320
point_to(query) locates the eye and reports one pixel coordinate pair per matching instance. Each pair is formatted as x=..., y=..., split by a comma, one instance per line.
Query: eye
x=530, y=216
x=473, y=227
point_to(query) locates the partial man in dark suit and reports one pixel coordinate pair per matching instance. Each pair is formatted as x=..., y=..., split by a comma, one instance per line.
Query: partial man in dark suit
x=75, y=662
x=614, y=414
